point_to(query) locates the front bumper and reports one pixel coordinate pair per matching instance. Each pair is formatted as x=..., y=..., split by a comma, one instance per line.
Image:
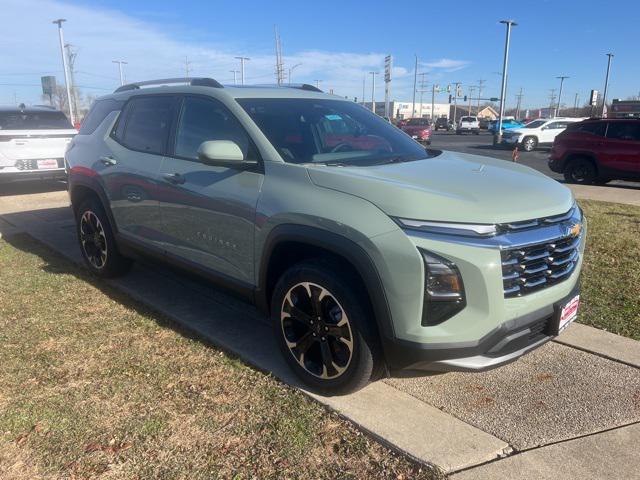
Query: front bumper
x=503, y=345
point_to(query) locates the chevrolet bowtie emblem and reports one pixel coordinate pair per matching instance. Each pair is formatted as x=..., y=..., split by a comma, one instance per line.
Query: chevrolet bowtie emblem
x=574, y=229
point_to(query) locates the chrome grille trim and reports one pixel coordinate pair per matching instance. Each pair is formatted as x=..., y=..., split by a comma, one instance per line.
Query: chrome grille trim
x=528, y=269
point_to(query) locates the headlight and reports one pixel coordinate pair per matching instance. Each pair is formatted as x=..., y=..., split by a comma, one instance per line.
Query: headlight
x=444, y=290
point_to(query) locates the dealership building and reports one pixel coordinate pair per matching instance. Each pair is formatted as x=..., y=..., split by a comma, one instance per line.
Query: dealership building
x=401, y=110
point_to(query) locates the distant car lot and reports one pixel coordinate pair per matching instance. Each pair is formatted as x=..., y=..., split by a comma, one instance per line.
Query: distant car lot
x=483, y=145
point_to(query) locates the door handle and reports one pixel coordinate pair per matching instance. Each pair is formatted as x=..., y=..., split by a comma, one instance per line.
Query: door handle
x=108, y=160
x=174, y=178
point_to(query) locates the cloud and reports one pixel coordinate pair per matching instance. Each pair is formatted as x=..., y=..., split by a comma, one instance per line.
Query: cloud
x=447, y=65
x=101, y=35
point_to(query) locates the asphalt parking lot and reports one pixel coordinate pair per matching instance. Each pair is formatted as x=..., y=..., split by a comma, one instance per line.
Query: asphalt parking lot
x=483, y=145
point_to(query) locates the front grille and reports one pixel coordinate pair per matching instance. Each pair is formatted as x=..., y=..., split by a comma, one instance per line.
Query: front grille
x=531, y=268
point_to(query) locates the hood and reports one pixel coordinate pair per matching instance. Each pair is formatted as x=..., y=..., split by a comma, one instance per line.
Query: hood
x=451, y=187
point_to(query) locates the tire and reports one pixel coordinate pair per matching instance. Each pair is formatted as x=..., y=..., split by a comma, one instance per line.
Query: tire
x=476, y=132
x=580, y=170
x=529, y=144
x=336, y=357
x=602, y=181
x=97, y=242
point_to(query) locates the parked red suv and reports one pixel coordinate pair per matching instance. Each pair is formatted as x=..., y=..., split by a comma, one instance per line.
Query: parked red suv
x=597, y=151
x=419, y=129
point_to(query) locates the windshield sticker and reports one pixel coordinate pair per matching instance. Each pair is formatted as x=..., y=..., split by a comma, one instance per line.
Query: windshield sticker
x=333, y=117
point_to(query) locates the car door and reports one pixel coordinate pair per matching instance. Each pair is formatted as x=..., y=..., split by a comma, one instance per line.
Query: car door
x=549, y=131
x=208, y=212
x=622, y=148
x=130, y=165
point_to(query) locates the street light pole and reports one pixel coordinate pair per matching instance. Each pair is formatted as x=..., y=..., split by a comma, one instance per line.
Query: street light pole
x=235, y=78
x=373, y=91
x=606, y=84
x=120, y=63
x=561, y=77
x=505, y=65
x=242, y=60
x=415, y=80
x=292, y=69
x=64, y=67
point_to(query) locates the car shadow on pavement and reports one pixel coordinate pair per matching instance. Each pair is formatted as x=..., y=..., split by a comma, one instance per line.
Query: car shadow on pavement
x=182, y=302
x=31, y=187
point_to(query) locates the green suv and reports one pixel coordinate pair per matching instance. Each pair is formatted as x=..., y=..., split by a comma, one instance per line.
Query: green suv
x=371, y=255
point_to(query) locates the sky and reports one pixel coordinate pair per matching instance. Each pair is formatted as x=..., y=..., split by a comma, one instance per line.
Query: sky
x=336, y=42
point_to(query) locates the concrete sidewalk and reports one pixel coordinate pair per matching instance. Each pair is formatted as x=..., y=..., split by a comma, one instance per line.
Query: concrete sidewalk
x=607, y=193
x=560, y=394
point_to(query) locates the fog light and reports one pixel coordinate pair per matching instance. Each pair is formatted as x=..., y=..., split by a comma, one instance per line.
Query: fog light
x=444, y=290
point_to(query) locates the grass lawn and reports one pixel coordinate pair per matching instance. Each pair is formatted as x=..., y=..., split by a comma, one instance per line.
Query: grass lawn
x=92, y=384
x=611, y=271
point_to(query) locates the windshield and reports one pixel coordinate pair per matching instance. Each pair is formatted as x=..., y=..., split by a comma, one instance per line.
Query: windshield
x=535, y=124
x=329, y=131
x=33, y=120
x=468, y=119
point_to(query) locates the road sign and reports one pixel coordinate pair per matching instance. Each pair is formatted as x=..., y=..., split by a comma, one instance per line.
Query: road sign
x=387, y=68
x=594, y=98
x=48, y=85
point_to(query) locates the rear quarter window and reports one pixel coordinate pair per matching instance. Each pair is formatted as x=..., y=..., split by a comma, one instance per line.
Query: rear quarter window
x=592, y=128
x=98, y=112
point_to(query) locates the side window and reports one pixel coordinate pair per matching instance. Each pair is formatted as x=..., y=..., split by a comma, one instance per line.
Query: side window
x=98, y=113
x=204, y=119
x=557, y=125
x=594, y=128
x=148, y=123
x=624, y=130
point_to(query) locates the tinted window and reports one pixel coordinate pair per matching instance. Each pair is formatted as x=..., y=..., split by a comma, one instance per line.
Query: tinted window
x=205, y=119
x=468, y=119
x=557, y=125
x=418, y=121
x=148, y=123
x=624, y=130
x=330, y=131
x=97, y=114
x=535, y=124
x=18, y=120
x=593, y=128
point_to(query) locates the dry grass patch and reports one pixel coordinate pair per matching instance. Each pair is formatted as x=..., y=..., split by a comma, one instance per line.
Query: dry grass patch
x=94, y=385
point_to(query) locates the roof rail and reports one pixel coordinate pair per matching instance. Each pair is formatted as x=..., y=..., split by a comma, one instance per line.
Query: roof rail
x=199, y=82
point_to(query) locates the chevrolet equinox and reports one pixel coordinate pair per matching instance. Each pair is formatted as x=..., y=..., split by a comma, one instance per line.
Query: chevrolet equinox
x=371, y=255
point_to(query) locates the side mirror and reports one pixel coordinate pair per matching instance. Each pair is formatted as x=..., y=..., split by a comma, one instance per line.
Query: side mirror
x=223, y=153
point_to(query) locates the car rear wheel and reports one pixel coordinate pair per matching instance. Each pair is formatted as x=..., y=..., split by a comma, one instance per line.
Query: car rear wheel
x=580, y=170
x=97, y=242
x=529, y=144
x=322, y=327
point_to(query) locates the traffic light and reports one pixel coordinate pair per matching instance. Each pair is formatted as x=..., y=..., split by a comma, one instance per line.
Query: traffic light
x=449, y=98
x=449, y=91
x=458, y=90
x=465, y=98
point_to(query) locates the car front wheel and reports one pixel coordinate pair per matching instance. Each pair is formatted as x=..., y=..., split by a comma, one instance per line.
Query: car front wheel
x=529, y=144
x=323, y=329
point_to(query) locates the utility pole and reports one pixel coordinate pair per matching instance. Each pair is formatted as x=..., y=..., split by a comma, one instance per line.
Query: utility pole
x=552, y=100
x=235, y=79
x=505, y=65
x=480, y=84
x=318, y=84
x=433, y=102
x=415, y=80
x=422, y=90
x=373, y=91
x=606, y=84
x=472, y=88
x=186, y=67
x=71, y=58
x=64, y=68
x=575, y=106
x=291, y=69
x=519, y=104
x=364, y=81
x=279, y=63
x=455, y=100
x=561, y=78
x=242, y=60
x=120, y=63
